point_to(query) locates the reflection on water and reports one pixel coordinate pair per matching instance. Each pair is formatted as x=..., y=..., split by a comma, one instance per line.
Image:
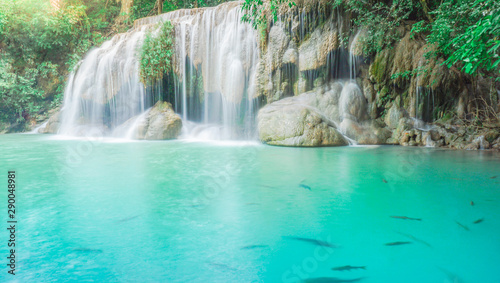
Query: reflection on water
x=195, y=212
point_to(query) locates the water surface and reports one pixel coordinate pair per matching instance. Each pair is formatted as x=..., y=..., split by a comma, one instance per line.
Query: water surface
x=177, y=211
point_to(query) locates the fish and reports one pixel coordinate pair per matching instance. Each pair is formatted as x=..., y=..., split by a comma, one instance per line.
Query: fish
x=384, y=180
x=462, y=225
x=406, y=218
x=305, y=186
x=397, y=243
x=311, y=241
x=267, y=186
x=348, y=268
x=415, y=239
x=451, y=276
x=128, y=218
x=330, y=280
x=493, y=177
x=250, y=247
x=222, y=266
x=479, y=220
x=471, y=203
x=87, y=250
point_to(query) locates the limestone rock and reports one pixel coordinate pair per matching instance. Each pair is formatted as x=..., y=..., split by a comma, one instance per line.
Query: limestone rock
x=352, y=103
x=163, y=123
x=159, y=123
x=393, y=116
x=313, y=52
x=52, y=125
x=290, y=122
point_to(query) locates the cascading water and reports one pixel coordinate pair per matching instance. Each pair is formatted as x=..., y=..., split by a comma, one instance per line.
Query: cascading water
x=105, y=90
x=214, y=85
x=214, y=66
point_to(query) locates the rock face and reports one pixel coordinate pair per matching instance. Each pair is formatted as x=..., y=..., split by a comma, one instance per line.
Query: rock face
x=159, y=123
x=330, y=115
x=291, y=122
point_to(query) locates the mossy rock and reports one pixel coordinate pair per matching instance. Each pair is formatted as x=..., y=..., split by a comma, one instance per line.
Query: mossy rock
x=379, y=69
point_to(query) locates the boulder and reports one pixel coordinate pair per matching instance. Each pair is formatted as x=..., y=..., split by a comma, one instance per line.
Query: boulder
x=291, y=122
x=163, y=124
x=352, y=103
x=52, y=125
x=159, y=123
x=364, y=133
x=393, y=116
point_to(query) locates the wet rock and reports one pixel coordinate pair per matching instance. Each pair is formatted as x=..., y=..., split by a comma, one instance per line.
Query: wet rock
x=496, y=144
x=291, y=55
x=364, y=133
x=313, y=52
x=491, y=135
x=352, y=103
x=292, y=122
x=278, y=42
x=163, y=123
x=52, y=125
x=159, y=123
x=393, y=116
x=435, y=134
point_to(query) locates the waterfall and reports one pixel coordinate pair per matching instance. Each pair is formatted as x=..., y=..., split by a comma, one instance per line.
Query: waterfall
x=104, y=91
x=213, y=75
x=218, y=72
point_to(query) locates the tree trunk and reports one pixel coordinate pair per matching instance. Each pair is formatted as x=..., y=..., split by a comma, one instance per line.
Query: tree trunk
x=159, y=5
x=125, y=10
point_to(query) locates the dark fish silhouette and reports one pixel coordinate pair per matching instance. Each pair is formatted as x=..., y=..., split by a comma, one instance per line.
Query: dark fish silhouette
x=348, y=268
x=479, y=221
x=305, y=186
x=406, y=218
x=222, y=266
x=128, y=218
x=311, y=241
x=451, y=276
x=87, y=250
x=415, y=239
x=397, y=243
x=462, y=225
x=383, y=180
x=493, y=177
x=267, y=186
x=330, y=280
x=250, y=247
x=472, y=203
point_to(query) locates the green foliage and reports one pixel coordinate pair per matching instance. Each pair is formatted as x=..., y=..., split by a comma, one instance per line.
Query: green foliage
x=38, y=45
x=419, y=27
x=379, y=19
x=18, y=93
x=145, y=8
x=156, y=54
x=408, y=74
x=256, y=13
x=478, y=47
